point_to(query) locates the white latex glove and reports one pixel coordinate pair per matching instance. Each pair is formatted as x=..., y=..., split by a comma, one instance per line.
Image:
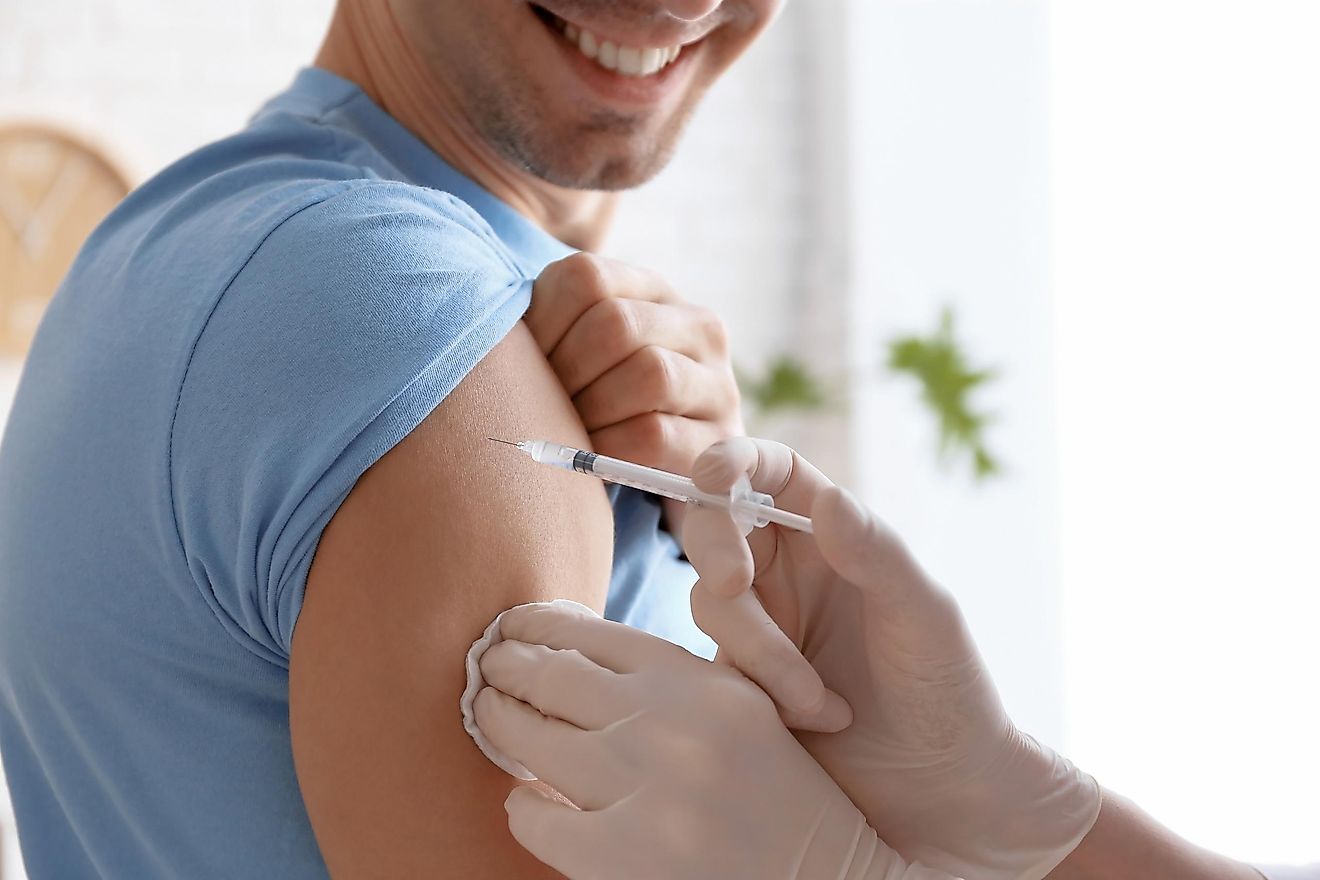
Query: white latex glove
x=931, y=758
x=681, y=768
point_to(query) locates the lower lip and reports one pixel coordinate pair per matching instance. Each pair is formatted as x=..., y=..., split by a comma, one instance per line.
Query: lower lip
x=617, y=88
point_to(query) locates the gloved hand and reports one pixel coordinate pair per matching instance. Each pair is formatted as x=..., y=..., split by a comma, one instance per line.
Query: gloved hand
x=681, y=767
x=931, y=757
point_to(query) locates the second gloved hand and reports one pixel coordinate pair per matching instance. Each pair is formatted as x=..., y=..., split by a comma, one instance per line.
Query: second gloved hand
x=681, y=768
x=931, y=757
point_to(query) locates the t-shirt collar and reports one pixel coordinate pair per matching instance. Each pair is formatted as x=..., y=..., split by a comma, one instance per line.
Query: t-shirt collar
x=333, y=100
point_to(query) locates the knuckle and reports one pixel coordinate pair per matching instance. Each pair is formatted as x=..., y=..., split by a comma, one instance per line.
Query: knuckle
x=619, y=323
x=713, y=330
x=491, y=661
x=657, y=281
x=506, y=666
x=661, y=375
x=538, y=623
x=485, y=708
x=732, y=393
x=557, y=670
x=653, y=434
x=733, y=695
x=570, y=660
x=943, y=603
x=585, y=273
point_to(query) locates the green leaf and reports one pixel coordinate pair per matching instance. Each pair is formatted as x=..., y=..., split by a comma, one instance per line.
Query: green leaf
x=787, y=385
x=947, y=382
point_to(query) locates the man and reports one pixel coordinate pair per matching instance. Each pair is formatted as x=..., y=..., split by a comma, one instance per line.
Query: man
x=251, y=521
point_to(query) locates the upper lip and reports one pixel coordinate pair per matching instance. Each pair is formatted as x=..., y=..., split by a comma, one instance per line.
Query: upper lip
x=672, y=33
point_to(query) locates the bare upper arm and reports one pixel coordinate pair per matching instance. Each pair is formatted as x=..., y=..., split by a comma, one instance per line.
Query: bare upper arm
x=443, y=533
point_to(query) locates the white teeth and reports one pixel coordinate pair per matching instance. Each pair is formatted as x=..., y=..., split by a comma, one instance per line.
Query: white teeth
x=626, y=60
x=630, y=61
x=652, y=60
x=587, y=43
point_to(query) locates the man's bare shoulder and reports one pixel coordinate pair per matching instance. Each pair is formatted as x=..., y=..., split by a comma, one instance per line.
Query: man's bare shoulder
x=440, y=535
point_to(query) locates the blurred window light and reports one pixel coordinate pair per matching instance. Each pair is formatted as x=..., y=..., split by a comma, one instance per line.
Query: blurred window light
x=1186, y=186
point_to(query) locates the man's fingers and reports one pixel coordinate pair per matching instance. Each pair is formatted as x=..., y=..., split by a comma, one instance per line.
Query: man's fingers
x=656, y=379
x=563, y=684
x=715, y=546
x=569, y=287
x=759, y=648
x=558, y=753
x=611, y=330
x=658, y=440
x=611, y=645
x=551, y=831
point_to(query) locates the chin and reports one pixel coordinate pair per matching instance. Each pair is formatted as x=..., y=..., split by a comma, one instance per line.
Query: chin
x=604, y=155
x=619, y=171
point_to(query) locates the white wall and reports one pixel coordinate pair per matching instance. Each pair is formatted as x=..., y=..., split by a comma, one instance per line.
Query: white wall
x=148, y=80
x=948, y=141
x=1187, y=232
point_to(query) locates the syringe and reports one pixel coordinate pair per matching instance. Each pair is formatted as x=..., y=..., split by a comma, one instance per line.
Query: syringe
x=748, y=507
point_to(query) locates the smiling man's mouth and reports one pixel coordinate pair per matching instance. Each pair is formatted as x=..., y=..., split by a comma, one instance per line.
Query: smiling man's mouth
x=637, y=61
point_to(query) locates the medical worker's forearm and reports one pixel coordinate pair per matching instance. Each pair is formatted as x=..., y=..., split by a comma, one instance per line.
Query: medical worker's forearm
x=1126, y=843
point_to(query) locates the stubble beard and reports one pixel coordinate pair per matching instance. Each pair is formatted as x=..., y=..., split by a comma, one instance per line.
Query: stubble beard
x=607, y=151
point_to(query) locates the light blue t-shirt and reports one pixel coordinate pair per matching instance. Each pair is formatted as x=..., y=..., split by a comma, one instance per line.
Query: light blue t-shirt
x=236, y=344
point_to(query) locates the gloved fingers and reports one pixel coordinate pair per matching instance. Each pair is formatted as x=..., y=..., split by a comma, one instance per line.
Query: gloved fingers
x=773, y=468
x=782, y=601
x=834, y=716
x=715, y=546
x=555, y=833
x=754, y=643
x=564, y=684
x=615, y=646
x=866, y=552
x=559, y=754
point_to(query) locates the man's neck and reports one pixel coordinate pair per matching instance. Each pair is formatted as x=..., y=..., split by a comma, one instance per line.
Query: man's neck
x=366, y=46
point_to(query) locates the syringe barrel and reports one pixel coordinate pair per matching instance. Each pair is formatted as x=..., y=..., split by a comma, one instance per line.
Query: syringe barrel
x=638, y=476
x=748, y=507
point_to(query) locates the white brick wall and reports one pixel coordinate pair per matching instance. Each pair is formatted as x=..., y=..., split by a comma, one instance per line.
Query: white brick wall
x=150, y=81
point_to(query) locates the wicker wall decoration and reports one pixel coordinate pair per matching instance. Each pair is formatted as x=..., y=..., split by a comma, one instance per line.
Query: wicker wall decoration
x=54, y=189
